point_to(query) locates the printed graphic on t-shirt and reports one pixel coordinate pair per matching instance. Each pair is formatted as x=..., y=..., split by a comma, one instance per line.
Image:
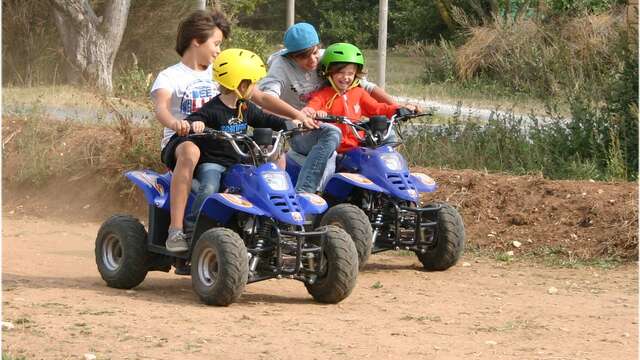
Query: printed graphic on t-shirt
x=304, y=89
x=235, y=125
x=196, y=95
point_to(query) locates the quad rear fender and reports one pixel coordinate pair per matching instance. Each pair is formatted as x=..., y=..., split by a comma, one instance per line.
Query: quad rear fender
x=342, y=184
x=154, y=186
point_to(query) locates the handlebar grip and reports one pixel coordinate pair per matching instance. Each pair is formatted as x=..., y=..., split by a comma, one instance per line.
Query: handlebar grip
x=328, y=119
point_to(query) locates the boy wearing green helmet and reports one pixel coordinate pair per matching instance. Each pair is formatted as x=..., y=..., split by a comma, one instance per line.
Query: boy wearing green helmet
x=343, y=66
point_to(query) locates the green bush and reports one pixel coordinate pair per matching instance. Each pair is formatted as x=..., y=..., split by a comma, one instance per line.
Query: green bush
x=251, y=40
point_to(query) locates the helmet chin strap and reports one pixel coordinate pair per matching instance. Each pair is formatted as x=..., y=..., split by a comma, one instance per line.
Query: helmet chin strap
x=241, y=101
x=354, y=84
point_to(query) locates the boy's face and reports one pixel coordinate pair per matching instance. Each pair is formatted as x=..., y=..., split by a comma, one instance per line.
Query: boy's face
x=344, y=77
x=207, y=51
x=310, y=62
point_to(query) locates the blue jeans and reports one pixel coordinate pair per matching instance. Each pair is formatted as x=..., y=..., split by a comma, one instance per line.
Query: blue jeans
x=318, y=146
x=208, y=176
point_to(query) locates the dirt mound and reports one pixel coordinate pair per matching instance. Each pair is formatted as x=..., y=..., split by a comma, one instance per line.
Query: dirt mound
x=575, y=220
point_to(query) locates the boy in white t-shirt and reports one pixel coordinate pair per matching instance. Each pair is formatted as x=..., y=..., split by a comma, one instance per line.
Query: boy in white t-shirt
x=182, y=89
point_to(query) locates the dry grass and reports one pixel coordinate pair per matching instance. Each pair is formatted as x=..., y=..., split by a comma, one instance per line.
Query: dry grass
x=544, y=57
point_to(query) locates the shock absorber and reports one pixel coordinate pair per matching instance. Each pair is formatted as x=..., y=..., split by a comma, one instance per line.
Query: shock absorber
x=254, y=260
x=377, y=223
x=263, y=233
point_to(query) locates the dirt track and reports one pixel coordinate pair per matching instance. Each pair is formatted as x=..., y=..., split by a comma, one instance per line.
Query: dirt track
x=61, y=309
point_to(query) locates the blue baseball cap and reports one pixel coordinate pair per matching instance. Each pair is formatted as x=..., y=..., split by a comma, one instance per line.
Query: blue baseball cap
x=299, y=37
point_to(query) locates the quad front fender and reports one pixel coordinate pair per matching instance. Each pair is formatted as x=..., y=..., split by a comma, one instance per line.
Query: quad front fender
x=154, y=186
x=423, y=182
x=221, y=206
x=341, y=185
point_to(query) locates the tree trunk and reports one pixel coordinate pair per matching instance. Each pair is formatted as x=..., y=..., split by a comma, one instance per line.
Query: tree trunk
x=90, y=42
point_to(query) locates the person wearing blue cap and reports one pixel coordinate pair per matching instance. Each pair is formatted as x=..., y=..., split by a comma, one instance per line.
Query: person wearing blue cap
x=293, y=77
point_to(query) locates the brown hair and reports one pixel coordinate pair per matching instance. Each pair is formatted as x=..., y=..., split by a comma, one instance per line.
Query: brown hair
x=199, y=25
x=304, y=53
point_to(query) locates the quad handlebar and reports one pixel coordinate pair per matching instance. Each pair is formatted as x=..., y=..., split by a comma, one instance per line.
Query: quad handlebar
x=258, y=144
x=380, y=127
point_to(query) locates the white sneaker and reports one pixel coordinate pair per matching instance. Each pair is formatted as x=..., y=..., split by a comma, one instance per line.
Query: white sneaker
x=176, y=242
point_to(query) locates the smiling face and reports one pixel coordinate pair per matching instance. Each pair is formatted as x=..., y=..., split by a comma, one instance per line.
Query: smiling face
x=207, y=51
x=343, y=75
x=308, y=59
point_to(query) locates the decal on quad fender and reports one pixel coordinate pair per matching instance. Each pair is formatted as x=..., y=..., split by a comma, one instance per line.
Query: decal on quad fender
x=237, y=199
x=296, y=216
x=149, y=183
x=313, y=198
x=423, y=182
x=312, y=203
x=357, y=178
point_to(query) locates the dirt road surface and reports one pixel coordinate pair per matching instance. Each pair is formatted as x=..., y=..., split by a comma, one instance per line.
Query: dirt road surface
x=60, y=308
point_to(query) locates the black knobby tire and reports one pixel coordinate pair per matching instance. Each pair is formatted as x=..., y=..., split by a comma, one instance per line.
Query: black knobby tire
x=356, y=223
x=340, y=271
x=219, y=267
x=449, y=241
x=121, y=252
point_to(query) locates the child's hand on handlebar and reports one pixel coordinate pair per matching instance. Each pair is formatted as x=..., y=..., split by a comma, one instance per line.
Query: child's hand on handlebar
x=308, y=111
x=321, y=114
x=197, y=127
x=181, y=127
x=413, y=108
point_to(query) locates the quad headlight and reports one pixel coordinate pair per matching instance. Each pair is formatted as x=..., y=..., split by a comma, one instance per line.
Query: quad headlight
x=392, y=161
x=277, y=180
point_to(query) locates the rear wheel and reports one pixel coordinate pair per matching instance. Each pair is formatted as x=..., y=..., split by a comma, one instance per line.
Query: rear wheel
x=121, y=253
x=356, y=223
x=340, y=268
x=449, y=241
x=219, y=267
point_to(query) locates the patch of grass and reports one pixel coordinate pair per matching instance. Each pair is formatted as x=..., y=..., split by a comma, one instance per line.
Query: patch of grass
x=377, y=285
x=8, y=356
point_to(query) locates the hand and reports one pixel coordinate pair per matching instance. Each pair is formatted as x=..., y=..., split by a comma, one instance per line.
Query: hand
x=181, y=127
x=308, y=111
x=307, y=121
x=414, y=108
x=321, y=114
x=197, y=127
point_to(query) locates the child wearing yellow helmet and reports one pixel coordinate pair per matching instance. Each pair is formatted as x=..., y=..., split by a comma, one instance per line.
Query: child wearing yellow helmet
x=237, y=71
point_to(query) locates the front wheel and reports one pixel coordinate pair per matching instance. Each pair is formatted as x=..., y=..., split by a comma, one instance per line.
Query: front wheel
x=339, y=268
x=121, y=253
x=356, y=223
x=449, y=241
x=219, y=267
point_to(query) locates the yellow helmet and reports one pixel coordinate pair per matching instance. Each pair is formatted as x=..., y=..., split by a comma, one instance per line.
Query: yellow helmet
x=234, y=65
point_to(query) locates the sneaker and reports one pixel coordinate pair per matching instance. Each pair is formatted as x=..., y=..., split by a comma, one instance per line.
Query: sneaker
x=176, y=241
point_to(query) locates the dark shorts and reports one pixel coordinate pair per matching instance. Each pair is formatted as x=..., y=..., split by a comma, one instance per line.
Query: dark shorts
x=168, y=154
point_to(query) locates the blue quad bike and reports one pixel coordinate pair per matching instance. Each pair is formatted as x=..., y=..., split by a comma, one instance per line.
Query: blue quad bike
x=376, y=199
x=258, y=229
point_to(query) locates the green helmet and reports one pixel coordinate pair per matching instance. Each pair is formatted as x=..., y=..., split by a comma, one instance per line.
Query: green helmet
x=341, y=53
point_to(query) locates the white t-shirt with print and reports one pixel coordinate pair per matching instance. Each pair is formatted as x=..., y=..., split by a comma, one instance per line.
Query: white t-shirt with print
x=190, y=89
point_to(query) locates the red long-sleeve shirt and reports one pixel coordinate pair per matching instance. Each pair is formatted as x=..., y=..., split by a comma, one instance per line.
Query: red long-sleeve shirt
x=354, y=104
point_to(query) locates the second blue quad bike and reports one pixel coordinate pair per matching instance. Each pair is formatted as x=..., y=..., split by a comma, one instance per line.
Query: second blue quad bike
x=257, y=229
x=375, y=180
